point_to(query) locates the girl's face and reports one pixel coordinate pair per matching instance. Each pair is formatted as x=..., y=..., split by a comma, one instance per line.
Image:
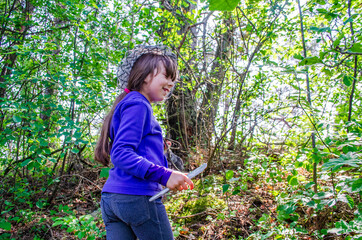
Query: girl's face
x=159, y=87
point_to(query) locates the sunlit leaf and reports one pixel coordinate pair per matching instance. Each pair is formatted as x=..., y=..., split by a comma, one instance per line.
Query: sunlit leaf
x=348, y=159
x=357, y=48
x=229, y=174
x=223, y=5
x=310, y=61
x=350, y=201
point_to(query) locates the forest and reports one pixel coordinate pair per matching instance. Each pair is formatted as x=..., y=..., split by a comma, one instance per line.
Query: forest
x=269, y=96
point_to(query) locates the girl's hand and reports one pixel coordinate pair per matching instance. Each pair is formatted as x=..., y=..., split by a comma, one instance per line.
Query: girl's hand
x=179, y=181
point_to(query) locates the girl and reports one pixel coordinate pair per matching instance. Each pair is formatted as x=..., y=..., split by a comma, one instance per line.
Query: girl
x=132, y=138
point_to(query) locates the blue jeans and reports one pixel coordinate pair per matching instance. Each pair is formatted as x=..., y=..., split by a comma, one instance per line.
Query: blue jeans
x=128, y=217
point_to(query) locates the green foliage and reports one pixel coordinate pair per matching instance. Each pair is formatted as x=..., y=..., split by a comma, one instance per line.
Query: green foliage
x=202, y=204
x=104, y=173
x=84, y=227
x=242, y=87
x=5, y=225
x=353, y=229
x=344, y=162
x=223, y=5
x=196, y=205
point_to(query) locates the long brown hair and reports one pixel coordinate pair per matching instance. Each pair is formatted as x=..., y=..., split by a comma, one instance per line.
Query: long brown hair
x=144, y=66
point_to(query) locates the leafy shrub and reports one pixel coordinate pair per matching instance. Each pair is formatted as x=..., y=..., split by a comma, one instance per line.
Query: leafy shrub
x=83, y=227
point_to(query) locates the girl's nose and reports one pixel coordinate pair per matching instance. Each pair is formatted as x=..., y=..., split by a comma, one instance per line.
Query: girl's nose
x=171, y=83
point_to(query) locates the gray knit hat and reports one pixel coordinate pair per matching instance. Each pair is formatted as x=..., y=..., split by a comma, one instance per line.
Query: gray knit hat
x=125, y=67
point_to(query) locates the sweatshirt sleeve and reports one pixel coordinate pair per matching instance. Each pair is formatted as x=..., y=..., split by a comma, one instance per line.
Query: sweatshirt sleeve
x=158, y=174
x=129, y=126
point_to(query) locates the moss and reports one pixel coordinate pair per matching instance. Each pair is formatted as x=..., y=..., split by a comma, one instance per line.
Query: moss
x=204, y=197
x=202, y=204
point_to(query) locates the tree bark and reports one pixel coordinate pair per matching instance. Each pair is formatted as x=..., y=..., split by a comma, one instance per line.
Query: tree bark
x=181, y=111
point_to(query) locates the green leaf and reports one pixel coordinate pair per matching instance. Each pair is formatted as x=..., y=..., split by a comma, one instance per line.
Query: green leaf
x=57, y=223
x=225, y=188
x=347, y=80
x=75, y=150
x=94, y=5
x=43, y=143
x=310, y=61
x=293, y=181
x=104, y=173
x=320, y=30
x=348, y=159
x=81, y=235
x=350, y=201
x=5, y=225
x=40, y=203
x=223, y=5
x=356, y=48
x=249, y=28
x=357, y=185
x=229, y=174
x=77, y=135
x=26, y=162
x=309, y=185
x=338, y=40
x=236, y=192
x=350, y=19
x=301, y=230
x=47, y=151
x=298, y=56
x=332, y=202
x=17, y=119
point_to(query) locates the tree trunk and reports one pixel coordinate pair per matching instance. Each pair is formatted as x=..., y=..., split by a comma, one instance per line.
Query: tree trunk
x=181, y=111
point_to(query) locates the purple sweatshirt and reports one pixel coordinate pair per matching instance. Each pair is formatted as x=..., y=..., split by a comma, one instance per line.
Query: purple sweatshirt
x=137, y=149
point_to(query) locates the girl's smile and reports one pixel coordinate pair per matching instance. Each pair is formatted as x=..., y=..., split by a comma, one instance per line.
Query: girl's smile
x=157, y=88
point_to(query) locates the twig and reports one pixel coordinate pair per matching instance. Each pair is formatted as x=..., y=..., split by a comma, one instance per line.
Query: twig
x=315, y=127
x=77, y=175
x=337, y=64
x=51, y=231
x=185, y=34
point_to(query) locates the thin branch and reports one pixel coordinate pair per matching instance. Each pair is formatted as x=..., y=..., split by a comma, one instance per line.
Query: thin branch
x=84, y=178
x=252, y=24
x=338, y=49
x=185, y=34
x=32, y=157
x=337, y=64
x=308, y=92
x=314, y=126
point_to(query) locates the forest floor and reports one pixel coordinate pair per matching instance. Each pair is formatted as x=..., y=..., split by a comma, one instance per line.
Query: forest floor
x=218, y=208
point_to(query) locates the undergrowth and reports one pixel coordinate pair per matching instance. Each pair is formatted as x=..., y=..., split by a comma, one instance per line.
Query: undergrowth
x=266, y=197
